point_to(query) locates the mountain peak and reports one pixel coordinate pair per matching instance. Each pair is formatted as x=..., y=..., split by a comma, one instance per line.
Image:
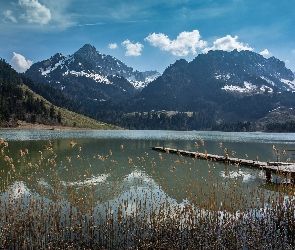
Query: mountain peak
x=88, y=52
x=88, y=47
x=102, y=77
x=110, y=66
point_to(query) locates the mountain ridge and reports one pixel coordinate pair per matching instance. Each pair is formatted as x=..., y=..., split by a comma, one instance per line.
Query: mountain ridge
x=108, y=65
x=217, y=87
x=233, y=72
x=102, y=77
x=229, y=87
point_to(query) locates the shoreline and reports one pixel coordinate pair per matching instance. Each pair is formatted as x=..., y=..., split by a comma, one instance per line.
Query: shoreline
x=30, y=126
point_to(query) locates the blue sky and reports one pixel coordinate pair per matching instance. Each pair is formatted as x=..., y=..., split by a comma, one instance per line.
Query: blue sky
x=146, y=35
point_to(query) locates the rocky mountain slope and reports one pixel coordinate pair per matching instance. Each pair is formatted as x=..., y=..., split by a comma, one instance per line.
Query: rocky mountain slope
x=219, y=71
x=90, y=75
x=240, y=85
x=108, y=66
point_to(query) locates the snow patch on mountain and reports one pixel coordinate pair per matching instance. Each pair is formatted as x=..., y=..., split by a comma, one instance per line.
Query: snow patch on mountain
x=142, y=84
x=290, y=84
x=267, y=80
x=95, y=77
x=222, y=77
x=65, y=62
x=152, y=77
x=264, y=88
x=60, y=63
x=137, y=84
x=247, y=87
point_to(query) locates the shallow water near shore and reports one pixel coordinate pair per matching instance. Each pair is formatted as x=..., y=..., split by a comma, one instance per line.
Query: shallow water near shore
x=131, y=154
x=133, y=145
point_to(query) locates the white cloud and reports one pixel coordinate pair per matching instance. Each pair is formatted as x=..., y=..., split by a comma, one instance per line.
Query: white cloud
x=62, y=18
x=132, y=49
x=8, y=16
x=264, y=52
x=113, y=46
x=35, y=12
x=228, y=43
x=184, y=43
x=19, y=62
x=293, y=51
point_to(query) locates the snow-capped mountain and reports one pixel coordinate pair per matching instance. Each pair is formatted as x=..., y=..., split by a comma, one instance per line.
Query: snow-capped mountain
x=229, y=86
x=88, y=74
x=220, y=71
x=70, y=65
x=108, y=65
x=247, y=71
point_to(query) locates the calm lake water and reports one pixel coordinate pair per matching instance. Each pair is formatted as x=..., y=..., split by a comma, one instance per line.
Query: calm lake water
x=119, y=165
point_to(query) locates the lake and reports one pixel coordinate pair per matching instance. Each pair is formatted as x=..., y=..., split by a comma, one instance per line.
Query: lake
x=92, y=172
x=117, y=167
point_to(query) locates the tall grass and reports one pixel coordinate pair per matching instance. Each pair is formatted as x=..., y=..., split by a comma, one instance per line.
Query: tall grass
x=144, y=212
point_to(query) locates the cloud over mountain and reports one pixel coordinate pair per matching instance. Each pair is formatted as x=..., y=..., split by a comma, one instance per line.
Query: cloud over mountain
x=185, y=43
x=228, y=43
x=264, y=52
x=188, y=42
x=19, y=63
x=132, y=49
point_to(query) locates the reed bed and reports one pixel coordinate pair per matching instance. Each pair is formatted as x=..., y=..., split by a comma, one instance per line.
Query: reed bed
x=87, y=210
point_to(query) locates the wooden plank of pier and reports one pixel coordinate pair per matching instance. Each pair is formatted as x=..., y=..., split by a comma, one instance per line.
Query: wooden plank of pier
x=269, y=167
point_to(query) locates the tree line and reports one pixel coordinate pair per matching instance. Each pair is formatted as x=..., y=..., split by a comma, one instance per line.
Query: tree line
x=17, y=103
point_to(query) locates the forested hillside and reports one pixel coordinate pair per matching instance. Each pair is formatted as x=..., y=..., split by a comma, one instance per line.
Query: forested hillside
x=19, y=104
x=21, y=99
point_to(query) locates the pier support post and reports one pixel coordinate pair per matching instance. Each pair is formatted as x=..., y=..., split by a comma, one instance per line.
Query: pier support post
x=268, y=175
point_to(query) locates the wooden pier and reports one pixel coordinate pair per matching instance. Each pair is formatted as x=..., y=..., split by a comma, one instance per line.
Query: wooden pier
x=286, y=169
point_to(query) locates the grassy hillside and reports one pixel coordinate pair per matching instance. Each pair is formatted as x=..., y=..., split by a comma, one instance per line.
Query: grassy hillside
x=72, y=119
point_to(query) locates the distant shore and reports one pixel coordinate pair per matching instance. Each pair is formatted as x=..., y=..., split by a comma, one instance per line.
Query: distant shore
x=37, y=126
